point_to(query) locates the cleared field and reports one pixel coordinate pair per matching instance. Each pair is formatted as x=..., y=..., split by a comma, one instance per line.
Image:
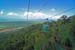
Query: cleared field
x=2, y=26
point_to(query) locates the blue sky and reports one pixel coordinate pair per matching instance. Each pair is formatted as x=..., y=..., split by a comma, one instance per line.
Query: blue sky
x=17, y=9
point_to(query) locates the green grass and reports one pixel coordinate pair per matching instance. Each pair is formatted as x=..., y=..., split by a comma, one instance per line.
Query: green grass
x=3, y=26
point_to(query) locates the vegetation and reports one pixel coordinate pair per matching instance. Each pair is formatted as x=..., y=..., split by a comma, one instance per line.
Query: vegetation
x=61, y=36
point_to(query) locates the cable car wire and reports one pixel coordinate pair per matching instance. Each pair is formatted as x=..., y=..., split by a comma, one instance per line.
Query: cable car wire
x=63, y=12
x=28, y=9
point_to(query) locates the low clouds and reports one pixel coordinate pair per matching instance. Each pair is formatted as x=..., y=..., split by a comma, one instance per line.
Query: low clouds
x=27, y=13
x=12, y=14
x=31, y=15
x=34, y=14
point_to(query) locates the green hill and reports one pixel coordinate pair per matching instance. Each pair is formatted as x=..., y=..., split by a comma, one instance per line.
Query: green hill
x=60, y=36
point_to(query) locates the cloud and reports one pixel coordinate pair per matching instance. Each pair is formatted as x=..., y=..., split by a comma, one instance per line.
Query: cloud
x=1, y=12
x=28, y=13
x=32, y=15
x=35, y=15
x=56, y=17
x=12, y=14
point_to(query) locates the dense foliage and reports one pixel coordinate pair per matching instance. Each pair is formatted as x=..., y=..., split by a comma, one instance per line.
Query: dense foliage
x=61, y=36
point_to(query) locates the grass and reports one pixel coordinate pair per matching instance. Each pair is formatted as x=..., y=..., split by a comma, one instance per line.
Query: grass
x=3, y=26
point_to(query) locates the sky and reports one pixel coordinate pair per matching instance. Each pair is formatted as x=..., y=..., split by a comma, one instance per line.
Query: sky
x=16, y=10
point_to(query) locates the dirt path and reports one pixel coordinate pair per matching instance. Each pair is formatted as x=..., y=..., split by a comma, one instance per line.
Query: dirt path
x=10, y=29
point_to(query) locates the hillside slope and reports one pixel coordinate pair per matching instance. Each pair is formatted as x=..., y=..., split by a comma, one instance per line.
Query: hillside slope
x=61, y=36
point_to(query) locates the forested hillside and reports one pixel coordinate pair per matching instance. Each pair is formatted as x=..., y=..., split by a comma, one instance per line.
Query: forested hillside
x=60, y=36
